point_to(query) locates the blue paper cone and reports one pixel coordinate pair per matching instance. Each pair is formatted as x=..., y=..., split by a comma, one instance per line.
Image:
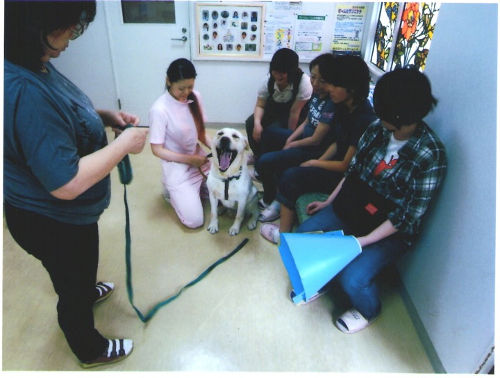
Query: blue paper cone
x=313, y=259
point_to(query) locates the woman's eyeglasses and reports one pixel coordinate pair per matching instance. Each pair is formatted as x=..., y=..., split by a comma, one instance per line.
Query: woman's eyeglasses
x=79, y=29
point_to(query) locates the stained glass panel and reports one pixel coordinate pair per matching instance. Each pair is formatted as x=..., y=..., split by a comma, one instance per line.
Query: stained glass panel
x=383, y=35
x=415, y=34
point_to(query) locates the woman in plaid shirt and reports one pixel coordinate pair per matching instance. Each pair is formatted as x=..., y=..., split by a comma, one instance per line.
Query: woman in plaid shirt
x=386, y=191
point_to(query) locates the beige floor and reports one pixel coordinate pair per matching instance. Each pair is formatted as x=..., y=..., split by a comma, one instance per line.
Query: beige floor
x=239, y=318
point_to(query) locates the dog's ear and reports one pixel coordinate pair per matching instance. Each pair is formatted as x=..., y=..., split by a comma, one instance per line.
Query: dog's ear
x=247, y=146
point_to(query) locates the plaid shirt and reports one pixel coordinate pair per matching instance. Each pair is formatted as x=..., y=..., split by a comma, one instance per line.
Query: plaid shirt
x=412, y=182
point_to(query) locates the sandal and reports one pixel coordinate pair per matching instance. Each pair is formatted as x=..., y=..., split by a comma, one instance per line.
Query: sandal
x=352, y=321
x=104, y=290
x=270, y=232
x=116, y=351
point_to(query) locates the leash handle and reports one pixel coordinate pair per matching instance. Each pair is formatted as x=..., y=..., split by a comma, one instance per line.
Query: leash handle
x=124, y=166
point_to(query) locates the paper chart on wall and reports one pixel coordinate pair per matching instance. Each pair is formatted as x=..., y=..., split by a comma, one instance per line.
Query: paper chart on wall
x=279, y=29
x=288, y=24
x=309, y=36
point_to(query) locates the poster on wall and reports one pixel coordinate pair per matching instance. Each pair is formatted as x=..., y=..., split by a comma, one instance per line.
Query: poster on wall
x=349, y=22
x=279, y=35
x=229, y=30
x=309, y=42
x=279, y=26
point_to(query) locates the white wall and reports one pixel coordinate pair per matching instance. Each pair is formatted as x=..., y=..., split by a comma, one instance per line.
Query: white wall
x=229, y=89
x=87, y=62
x=450, y=275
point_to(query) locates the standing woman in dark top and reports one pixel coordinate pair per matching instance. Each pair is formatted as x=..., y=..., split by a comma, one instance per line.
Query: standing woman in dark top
x=280, y=99
x=56, y=166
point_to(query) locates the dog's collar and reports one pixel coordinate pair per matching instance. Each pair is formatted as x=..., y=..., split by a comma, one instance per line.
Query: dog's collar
x=226, y=184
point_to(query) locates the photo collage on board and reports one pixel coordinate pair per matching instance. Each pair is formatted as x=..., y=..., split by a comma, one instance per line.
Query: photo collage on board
x=232, y=30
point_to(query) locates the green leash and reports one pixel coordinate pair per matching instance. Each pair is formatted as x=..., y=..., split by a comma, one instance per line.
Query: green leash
x=125, y=172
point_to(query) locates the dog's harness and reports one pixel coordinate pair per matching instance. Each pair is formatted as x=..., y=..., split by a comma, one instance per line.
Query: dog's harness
x=125, y=173
x=226, y=184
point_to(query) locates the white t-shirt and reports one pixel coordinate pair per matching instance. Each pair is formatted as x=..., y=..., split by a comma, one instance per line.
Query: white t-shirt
x=391, y=155
x=282, y=96
x=392, y=149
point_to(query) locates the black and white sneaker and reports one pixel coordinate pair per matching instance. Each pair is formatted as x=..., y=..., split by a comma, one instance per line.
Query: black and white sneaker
x=117, y=350
x=104, y=290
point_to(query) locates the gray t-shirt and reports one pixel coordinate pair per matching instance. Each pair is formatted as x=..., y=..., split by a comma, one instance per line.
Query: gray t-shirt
x=49, y=124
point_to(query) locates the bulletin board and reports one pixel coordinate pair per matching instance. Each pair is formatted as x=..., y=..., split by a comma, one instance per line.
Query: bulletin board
x=229, y=30
x=309, y=28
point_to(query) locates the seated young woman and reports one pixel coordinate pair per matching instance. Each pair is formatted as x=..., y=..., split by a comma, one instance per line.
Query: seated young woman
x=284, y=148
x=280, y=99
x=386, y=191
x=347, y=82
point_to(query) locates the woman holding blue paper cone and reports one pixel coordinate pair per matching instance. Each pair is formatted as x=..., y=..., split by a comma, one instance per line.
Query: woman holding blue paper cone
x=56, y=166
x=386, y=191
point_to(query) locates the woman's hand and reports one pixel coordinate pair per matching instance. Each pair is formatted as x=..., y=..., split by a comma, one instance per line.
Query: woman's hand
x=257, y=132
x=112, y=118
x=198, y=160
x=134, y=139
x=315, y=206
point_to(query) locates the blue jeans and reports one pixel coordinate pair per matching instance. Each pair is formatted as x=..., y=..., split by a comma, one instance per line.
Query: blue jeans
x=357, y=279
x=296, y=181
x=254, y=146
x=274, y=160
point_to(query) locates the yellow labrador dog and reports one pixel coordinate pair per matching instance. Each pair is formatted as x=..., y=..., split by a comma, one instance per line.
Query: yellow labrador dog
x=229, y=181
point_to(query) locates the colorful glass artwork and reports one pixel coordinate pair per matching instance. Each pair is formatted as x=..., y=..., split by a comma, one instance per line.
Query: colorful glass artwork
x=415, y=35
x=383, y=35
x=415, y=27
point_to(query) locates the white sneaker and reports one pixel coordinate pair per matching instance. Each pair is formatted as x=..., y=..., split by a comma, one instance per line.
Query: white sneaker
x=117, y=350
x=271, y=213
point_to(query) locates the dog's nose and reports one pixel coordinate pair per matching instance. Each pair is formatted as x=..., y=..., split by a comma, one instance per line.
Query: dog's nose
x=225, y=142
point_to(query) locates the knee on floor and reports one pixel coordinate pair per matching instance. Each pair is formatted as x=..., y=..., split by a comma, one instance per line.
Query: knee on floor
x=193, y=223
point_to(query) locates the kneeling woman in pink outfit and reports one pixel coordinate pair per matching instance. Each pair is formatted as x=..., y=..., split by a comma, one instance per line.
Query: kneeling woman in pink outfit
x=176, y=124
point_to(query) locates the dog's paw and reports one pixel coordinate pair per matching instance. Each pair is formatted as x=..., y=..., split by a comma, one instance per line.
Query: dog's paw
x=213, y=228
x=234, y=230
x=252, y=224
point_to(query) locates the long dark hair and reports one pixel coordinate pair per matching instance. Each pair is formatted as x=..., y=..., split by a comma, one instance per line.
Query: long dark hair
x=27, y=24
x=181, y=69
x=285, y=60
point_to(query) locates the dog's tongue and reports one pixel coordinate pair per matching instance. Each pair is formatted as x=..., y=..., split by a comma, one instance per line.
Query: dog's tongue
x=225, y=160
